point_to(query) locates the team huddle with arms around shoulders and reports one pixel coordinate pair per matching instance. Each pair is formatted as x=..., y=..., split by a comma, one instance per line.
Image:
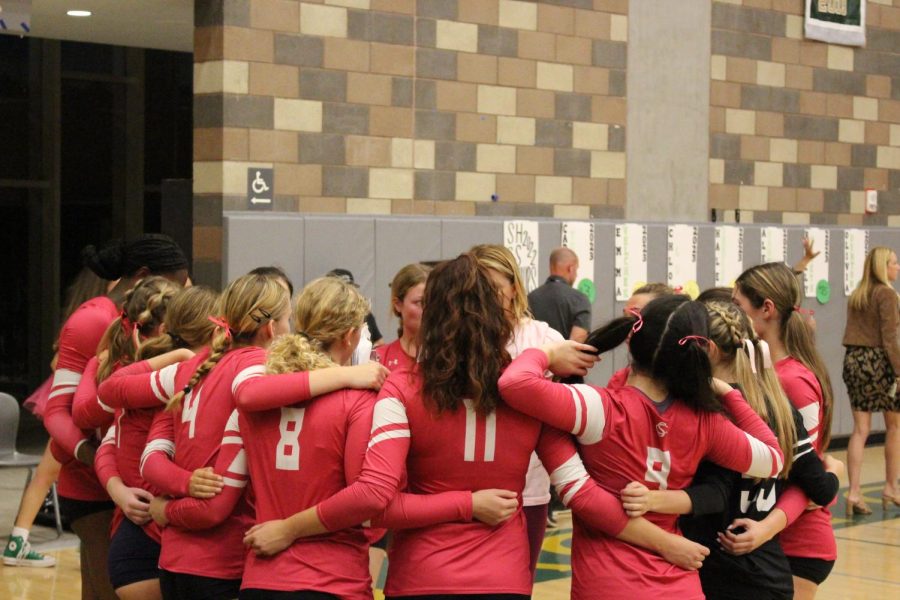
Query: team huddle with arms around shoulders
x=246, y=455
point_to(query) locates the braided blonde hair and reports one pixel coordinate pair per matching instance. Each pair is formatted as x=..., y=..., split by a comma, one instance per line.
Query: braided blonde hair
x=187, y=323
x=144, y=308
x=247, y=305
x=326, y=309
x=729, y=327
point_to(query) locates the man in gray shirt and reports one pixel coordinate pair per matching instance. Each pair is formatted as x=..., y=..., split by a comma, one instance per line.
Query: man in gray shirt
x=557, y=303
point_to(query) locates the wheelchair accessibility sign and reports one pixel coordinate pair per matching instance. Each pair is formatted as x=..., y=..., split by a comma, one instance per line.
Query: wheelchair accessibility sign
x=260, y=188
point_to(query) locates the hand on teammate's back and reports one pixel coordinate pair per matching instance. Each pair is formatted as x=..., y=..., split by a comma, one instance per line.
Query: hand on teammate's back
x=494, y=506
x=684, y=553
x=370, y=375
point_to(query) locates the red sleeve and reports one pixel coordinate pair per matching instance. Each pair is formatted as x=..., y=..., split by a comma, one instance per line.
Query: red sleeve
x=105, y=460
x=793, y=502
x=77, y=344
x=255, y=391
x=411, y=511
x=803, y=390
x=589, y=502
x=157, y=467
x=136, y=386
x=87, y=410
x=747, y=446
x=579, y=409
x=382, y=470
x=231, y=464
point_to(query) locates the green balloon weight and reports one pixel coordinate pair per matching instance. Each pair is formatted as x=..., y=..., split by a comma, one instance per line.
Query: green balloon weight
x=586, y=287
x=823, y=291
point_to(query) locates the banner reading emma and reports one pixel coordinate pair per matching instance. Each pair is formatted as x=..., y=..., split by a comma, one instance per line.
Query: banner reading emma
x=836, y=21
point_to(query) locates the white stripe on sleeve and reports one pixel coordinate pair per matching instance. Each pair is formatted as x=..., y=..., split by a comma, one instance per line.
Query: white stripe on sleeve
x=763, y=458
x=159, y=445
x=248, y=373
x=594, y=416
x=570, y=473
x=810, y=414
x=388, y=411
x=65, y=377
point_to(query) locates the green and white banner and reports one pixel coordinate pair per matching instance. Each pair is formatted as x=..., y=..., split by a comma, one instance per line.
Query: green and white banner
x=836, y=21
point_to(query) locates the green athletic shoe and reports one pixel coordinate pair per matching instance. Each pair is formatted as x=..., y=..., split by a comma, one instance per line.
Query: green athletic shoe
x=18, y=553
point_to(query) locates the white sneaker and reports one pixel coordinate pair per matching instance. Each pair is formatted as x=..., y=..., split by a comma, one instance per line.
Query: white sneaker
x=18, y=553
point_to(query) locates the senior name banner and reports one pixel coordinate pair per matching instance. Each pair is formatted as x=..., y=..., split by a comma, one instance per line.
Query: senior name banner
x=729, y=254
x=815, y=279
x=836, y=21
x=631, y=259
x=682, y=259
x=578, y=237
x=856, y=244
x=773, y=244
x=521, y=238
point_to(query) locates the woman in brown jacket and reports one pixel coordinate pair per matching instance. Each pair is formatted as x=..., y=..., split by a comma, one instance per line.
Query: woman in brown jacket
x=871, y=371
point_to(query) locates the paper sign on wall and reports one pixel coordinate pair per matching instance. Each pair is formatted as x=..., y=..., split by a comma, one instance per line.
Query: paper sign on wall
x=815, y=280
x=729, y=254
x=578, y=236
x=856, y=245
x=521, y=238
x=773, y=244
x=631, y=259
x=682, y=258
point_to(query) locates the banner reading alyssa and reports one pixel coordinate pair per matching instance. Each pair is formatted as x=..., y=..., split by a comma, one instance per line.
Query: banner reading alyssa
x=836, y=21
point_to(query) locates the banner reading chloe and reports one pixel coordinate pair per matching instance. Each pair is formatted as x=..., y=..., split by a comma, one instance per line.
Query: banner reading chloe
x=836, y=21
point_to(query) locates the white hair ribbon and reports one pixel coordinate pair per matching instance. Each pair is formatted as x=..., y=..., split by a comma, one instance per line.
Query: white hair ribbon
x=751, y=352
x=767, y=356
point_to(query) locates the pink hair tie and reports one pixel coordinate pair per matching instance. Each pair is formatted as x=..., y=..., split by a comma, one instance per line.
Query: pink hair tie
x=127, y=324
x=767, y=355
x=748, y=345
x=805, y=311
x=221, y=322
x=699, y=339
x=640, y=320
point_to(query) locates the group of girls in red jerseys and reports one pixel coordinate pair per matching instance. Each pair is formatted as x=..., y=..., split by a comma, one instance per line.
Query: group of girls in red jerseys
x=247, y=458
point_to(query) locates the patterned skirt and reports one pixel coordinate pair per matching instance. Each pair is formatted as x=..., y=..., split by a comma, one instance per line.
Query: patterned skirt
x=870, y=380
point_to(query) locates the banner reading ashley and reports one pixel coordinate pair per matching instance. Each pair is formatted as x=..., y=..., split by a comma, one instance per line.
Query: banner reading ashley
x=836, y=21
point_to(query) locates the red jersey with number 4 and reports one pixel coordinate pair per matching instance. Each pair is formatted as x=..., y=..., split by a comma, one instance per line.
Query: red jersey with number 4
x=624, y=437
x=78, y=342
x=460, y=450
x=196, y=433
x=810, y=535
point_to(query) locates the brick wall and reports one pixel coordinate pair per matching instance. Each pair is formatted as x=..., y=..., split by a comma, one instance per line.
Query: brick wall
x=798, y=128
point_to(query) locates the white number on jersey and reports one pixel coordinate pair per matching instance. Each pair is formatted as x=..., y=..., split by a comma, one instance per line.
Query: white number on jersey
x=189, y=410
x=659, y=464
x=287, y=454
x=490, y=433
x=765, y=499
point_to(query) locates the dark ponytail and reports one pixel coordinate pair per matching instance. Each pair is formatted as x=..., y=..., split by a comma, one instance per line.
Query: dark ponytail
x=154, y=251
x=611, y=335
x=107, y=261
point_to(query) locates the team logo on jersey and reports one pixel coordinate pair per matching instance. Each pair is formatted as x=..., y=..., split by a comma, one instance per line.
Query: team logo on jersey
x=662, y=428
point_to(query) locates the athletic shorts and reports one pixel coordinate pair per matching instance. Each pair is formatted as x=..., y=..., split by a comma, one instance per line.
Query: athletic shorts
x=181, y=586
x=813, y=569
x=133, y=555
x=73, y=509
x=254, y=594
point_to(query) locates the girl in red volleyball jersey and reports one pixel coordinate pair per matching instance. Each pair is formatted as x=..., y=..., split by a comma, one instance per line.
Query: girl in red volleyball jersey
x=655, y=430
x=444, y=424
x=82, y=498
x=134, y=550
x=770, y=295
x=407, y=289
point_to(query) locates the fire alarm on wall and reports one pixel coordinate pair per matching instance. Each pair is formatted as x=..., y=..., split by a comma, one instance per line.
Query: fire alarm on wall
x=871, y=201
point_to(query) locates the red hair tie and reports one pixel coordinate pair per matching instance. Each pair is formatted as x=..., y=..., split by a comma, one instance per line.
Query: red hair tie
x=127, y=325
x=640, y=319
x=221, y=322
x=701, y=340
x=805, y=311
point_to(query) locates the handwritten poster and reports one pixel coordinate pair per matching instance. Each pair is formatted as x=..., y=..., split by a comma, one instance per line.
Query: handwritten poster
x=773, y=244
x=729, y=254
x=631, y=259
x=856, y=245
x=578, y=236
x=682, y=258
x=521, y=238
x=817, y=271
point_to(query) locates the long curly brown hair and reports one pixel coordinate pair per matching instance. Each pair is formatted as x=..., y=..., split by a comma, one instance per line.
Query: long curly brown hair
x=464, y=334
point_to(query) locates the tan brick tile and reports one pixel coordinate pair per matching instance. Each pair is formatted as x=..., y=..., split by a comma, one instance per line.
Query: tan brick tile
x=346, y=55
x=516, y=72
x=280, y=81
x=391, y=121
x=535, y=103
x=537, y=45
x=477, y=68
x=392, y=59
x=473, y=127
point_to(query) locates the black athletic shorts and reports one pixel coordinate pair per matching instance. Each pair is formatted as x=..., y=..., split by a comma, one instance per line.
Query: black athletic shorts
x=73, y=509
x=254, y=594
x=181, y=586
x=133, y=555
x=813, y=569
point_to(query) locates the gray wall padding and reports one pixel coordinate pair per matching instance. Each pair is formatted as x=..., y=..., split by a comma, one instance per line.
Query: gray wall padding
x=374, y=248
